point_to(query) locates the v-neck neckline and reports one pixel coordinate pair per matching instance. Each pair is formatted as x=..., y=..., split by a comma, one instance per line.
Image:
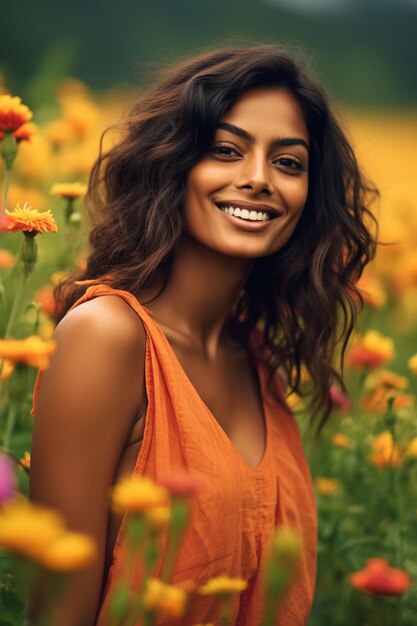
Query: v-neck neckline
x=261, y=385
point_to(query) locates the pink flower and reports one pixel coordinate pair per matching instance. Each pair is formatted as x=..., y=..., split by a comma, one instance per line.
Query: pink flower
x=7, y=479
x=339, y=399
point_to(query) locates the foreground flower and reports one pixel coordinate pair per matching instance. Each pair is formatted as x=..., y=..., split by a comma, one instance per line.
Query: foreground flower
x=68, y=190
x=167, y=601
x=70, y=552
x=7, y=479
x=222, y=585
x=379, y=578
x=339, y=399
x=386, y=453
x=32, y=351
x=13, y=113
x=327, y=486
x=30, y=220
x=25, y=461
x=134, y=495
x=28, y=529
x=372, y=350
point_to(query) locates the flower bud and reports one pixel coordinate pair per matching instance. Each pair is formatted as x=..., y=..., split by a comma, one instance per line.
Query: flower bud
x=9, y=150
x=29, y=252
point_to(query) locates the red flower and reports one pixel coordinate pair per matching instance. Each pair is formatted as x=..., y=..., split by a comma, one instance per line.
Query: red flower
x=380, y=579
x=180, y=484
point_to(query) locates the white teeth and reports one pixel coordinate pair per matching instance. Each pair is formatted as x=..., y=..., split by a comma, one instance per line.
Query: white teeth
x=254, y=216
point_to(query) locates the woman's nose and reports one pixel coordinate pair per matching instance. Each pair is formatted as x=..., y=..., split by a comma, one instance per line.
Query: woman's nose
x=255, y=175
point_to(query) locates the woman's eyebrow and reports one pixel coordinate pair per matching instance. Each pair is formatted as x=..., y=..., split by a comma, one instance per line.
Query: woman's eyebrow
x=275, y=143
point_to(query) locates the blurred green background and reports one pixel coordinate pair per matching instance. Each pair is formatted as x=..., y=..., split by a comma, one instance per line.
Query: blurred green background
x=365, y=51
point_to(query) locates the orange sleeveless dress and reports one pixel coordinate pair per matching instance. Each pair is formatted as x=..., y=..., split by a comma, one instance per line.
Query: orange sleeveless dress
x=235, y=515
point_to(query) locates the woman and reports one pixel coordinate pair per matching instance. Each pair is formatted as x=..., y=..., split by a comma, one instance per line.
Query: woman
x=234, y=210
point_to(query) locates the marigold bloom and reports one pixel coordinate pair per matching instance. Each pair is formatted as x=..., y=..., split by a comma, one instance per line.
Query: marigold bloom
x=32, y=351
x=7, y=479
x=158, y=517
x=23, y=133
x=340, y=440
x=165, y=600
x=25, y=461
x=372, y=350
x=70, y=552
x=182, y=484
x=7, y=259
x=30, y=220
x=12, y=113
x=386, y=453
x=372, y=291
x=327, y=486
x=412, y=364
x=379, y=578
x=377, y=400
x=28, y=529
x=68, y=190
x=6, y=369
x=222, y=585
x=136, y=494
x=45, y=298
x=387, y=380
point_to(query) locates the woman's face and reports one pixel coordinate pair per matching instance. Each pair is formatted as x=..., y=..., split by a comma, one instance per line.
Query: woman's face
x=245, y=196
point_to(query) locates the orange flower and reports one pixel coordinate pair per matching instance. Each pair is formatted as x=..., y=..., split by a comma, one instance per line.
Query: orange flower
x=380, y=579
x=13, y=113
x=45, y=298
x=25, y=461
x=32, y=351
x=327, y=486
x=25, y=132
x=165, y=600
x=372, y=350
x=340, y=440
x=6, y=259
x=377, y=400
x=385, y=452
x=68, y=190
x=30, y=220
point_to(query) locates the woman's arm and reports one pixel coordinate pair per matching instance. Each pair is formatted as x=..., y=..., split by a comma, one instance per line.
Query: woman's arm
x=87, y=402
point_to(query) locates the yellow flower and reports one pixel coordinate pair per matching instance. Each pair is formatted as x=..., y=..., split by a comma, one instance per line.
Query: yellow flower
x=222, y=585
x=158, y=517
x=327, y=486
x=6, y=369
x=68, y=190
x=25, y=461
x=385, y=452
x=69, y=552
x=30, y=220
x=12, y=113
x=372, y=291
x=412, y=364
x=136, y=494
x=340, y=440
x=7, y=259
x=412, y=448
x=32, y=351
x=25, y=132
x=165, y=600
x=28, y=529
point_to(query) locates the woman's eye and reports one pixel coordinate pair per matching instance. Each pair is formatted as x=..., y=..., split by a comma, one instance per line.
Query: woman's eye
x=224, y=150
x=290, y=163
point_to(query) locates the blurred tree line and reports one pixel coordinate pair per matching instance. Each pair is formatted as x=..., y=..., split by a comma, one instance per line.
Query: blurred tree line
x=365, y=51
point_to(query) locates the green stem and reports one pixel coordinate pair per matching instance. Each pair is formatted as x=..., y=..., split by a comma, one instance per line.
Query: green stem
x=10, y=424
x=7, y=179
x=16, y=304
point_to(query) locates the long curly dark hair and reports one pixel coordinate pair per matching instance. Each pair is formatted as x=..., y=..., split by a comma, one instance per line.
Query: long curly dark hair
x=303, y=297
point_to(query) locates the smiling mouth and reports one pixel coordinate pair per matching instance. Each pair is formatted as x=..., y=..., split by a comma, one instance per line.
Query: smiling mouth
x=255, y=214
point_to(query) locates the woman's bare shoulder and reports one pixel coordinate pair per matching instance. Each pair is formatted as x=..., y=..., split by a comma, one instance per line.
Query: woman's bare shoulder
x=105, y=318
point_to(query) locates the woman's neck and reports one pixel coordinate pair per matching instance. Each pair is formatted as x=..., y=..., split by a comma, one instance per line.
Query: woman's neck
x=200, y=293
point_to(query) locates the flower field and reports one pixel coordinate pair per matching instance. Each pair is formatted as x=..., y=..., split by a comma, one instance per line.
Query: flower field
x=364, y=463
